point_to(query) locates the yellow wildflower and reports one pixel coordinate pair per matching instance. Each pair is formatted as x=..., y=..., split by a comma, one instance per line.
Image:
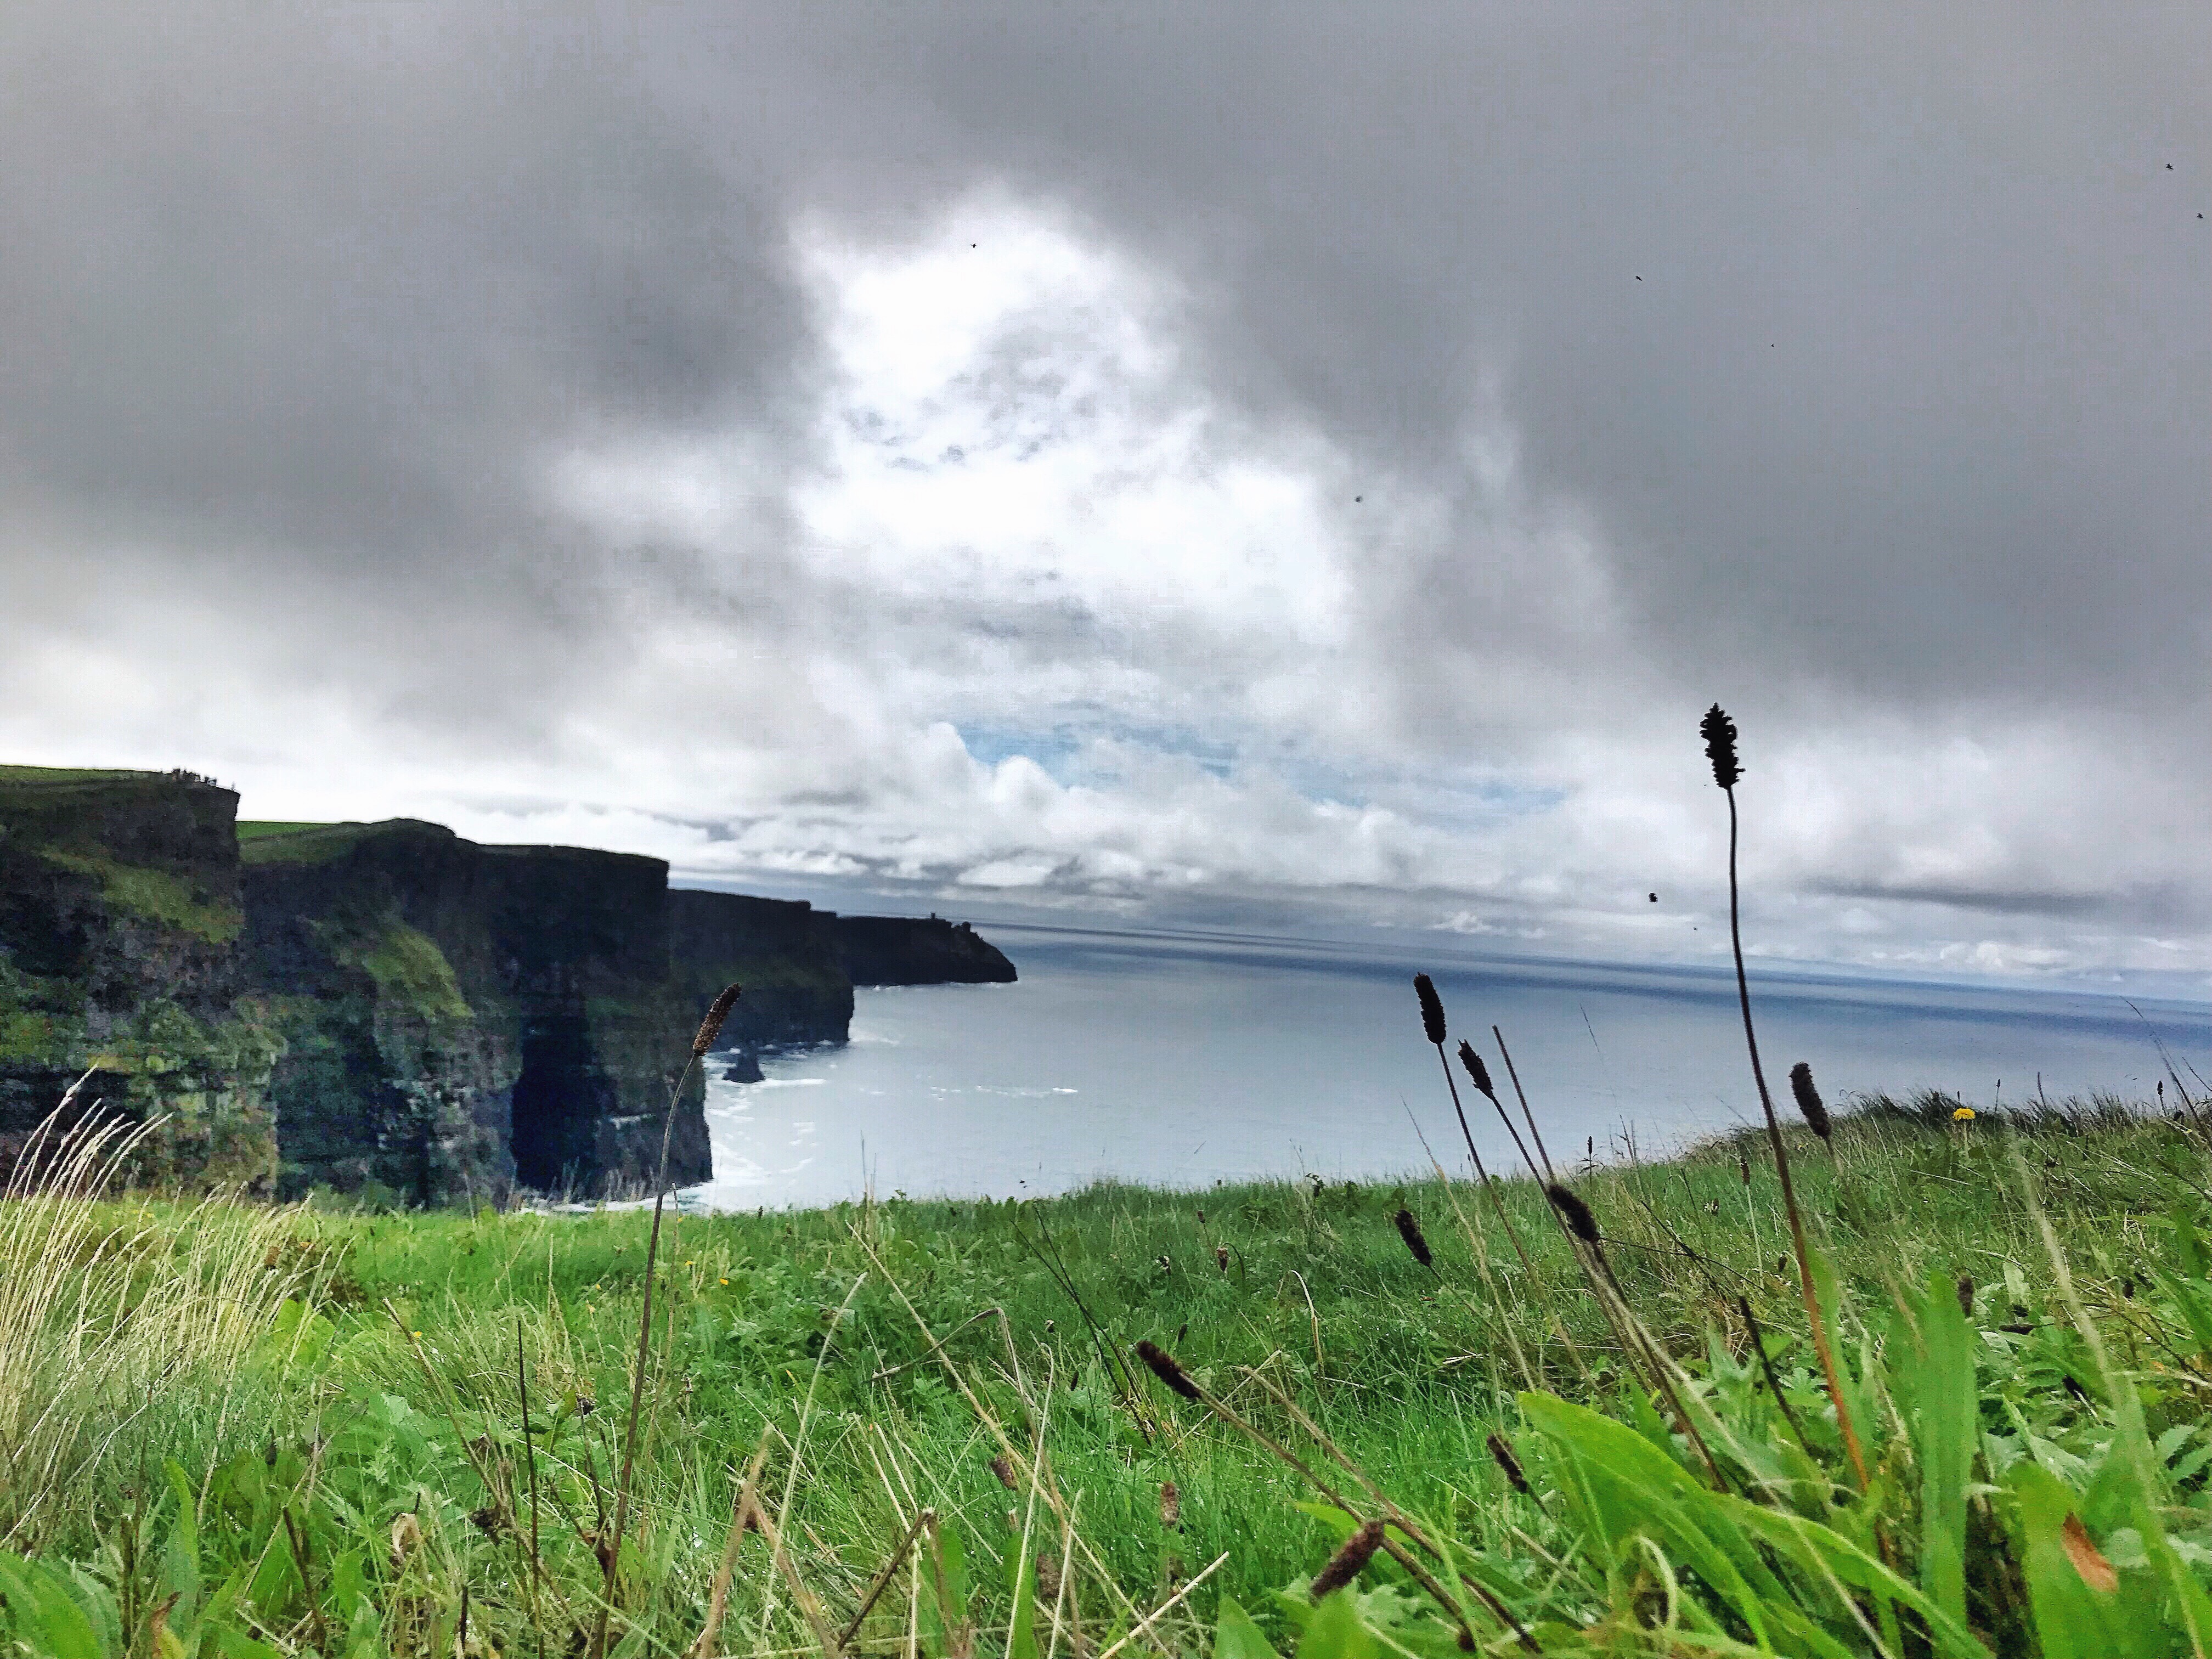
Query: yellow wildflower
x=1962, y=1115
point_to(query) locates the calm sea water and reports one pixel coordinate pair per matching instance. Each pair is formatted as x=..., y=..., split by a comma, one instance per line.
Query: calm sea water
x=1181, y=1061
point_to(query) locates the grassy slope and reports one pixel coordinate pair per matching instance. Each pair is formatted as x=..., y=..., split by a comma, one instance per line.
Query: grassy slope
x=1408, y=1369
x=262, y=829
x=270, y=842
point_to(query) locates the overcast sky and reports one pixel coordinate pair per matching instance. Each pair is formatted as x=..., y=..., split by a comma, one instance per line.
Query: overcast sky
x=1302, y=465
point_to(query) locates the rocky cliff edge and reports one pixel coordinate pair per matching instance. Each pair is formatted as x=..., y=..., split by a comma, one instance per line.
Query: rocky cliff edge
x=389, y=1008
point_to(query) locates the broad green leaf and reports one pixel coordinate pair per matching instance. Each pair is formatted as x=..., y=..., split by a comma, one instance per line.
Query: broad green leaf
x=2072, y=1620
x=1341, y=1525
x=1236, y=1636
x=2192, y=1300
x=180, y=1556
x=945, y=1611
x=98, y=1602
x=1645, y=1417
x=1334, y=1633
x=45, y=1617
x=2188, y=1244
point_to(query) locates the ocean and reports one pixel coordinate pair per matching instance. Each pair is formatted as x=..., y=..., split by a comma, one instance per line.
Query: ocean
x=1182, y=1061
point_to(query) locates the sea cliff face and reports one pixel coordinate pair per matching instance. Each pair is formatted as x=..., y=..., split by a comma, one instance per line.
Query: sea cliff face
x=460, y=1018
x=784, y=953
x=387, y=1008
x=119, y=921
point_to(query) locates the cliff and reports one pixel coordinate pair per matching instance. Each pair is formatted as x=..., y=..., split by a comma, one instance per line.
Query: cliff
x=460, y=1018
x=386, y=1007
x=120, y=917
x=917, y=950
x=784, y=953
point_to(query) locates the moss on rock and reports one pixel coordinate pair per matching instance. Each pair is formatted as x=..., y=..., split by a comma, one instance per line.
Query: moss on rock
x=156, y=895
x=410, y=971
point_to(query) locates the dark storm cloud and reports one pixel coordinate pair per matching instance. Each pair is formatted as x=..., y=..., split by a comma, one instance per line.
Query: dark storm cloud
x=317, y=284
x=1876, y=346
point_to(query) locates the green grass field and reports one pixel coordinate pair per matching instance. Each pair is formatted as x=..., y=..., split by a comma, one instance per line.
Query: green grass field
x=235, y=1431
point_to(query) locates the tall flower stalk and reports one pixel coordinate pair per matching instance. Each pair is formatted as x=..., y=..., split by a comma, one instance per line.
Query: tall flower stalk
x=1719, y=733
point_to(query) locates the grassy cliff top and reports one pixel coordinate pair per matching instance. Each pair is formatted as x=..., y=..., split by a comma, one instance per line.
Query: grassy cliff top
x=26, y=784
x=264, y=841
x=68, y=774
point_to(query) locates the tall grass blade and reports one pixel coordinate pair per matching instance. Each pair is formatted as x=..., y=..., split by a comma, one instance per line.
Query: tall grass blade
x=1931, y=1369
x=1626, y=1486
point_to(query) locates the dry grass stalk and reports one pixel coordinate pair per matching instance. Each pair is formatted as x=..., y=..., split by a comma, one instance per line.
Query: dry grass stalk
x=890, y=1570
x=1480, y=1251
x=1419, y=1574
x=709, y=1029
x=1050, y=1492
x=1766, y=1365
x=1521, y=1095
x=1145, y=1624
x=530, y=1453
x=718, y=1600
x=83, y=1322
x=809, y=1605
x=1479, y=1075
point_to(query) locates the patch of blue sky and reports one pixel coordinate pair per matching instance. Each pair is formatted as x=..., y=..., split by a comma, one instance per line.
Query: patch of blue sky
x=1446, y=801
x=1065, y=751
x=1217, y=756
x=1054, y=749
